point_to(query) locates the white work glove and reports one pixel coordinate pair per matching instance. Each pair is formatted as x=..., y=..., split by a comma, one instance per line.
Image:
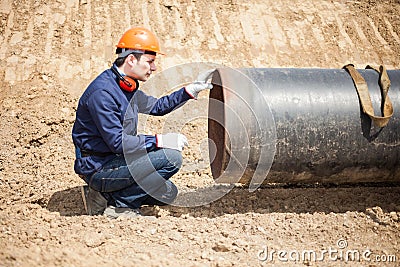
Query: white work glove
x=200, y=84
x=171, y=140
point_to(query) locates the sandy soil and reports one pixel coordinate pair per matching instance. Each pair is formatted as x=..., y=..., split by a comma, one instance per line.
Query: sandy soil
x=50, y=51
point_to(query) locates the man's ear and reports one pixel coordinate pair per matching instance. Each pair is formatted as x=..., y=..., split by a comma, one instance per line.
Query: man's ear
x=131, y=60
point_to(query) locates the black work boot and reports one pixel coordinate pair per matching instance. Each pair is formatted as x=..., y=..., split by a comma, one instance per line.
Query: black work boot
x=94, y=202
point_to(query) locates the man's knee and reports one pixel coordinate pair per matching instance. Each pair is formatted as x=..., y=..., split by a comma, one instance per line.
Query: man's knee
x=174, y=157
x=172, y=190
x=169, y=196
x=165, y=196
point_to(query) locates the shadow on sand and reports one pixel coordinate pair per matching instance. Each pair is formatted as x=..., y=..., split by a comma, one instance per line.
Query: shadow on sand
x=279, y=199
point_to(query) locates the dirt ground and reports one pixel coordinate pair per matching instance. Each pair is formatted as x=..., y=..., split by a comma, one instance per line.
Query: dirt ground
x=51, y=50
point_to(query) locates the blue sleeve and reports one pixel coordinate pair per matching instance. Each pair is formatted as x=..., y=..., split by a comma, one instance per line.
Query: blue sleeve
x=170, y=102
x=150, y=142
x=108, y=120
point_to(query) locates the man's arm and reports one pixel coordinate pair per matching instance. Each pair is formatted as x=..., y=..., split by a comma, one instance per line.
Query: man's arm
x=168, y=103
x=107, y=118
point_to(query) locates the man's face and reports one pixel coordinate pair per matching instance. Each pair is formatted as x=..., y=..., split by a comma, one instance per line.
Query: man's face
x=141, y=69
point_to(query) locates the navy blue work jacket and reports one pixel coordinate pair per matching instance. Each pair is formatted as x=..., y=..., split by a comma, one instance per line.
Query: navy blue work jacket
x=103, y=120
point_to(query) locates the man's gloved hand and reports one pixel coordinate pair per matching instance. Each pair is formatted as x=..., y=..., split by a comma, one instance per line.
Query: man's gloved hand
x=200, y=84
x=195, y=88
x=171, y=140
x=205, y=76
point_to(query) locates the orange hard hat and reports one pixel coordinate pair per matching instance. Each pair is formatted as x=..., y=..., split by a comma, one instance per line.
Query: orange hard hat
x=139, y=38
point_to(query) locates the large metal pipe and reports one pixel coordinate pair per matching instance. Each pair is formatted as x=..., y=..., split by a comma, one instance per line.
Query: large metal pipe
x=300, y=126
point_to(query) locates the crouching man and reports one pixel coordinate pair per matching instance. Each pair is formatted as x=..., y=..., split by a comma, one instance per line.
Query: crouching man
x=125, y=170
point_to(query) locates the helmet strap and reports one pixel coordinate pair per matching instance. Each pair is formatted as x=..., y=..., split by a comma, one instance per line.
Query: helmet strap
x=124, y=52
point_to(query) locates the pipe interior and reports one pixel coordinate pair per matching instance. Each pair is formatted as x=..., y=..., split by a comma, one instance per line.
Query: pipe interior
x=216, y=129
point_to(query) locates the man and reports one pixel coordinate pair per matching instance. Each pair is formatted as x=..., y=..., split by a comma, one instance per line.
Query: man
x=125, y=170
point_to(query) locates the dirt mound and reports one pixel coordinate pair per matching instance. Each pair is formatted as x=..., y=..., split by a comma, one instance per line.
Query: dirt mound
x=50, y=51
